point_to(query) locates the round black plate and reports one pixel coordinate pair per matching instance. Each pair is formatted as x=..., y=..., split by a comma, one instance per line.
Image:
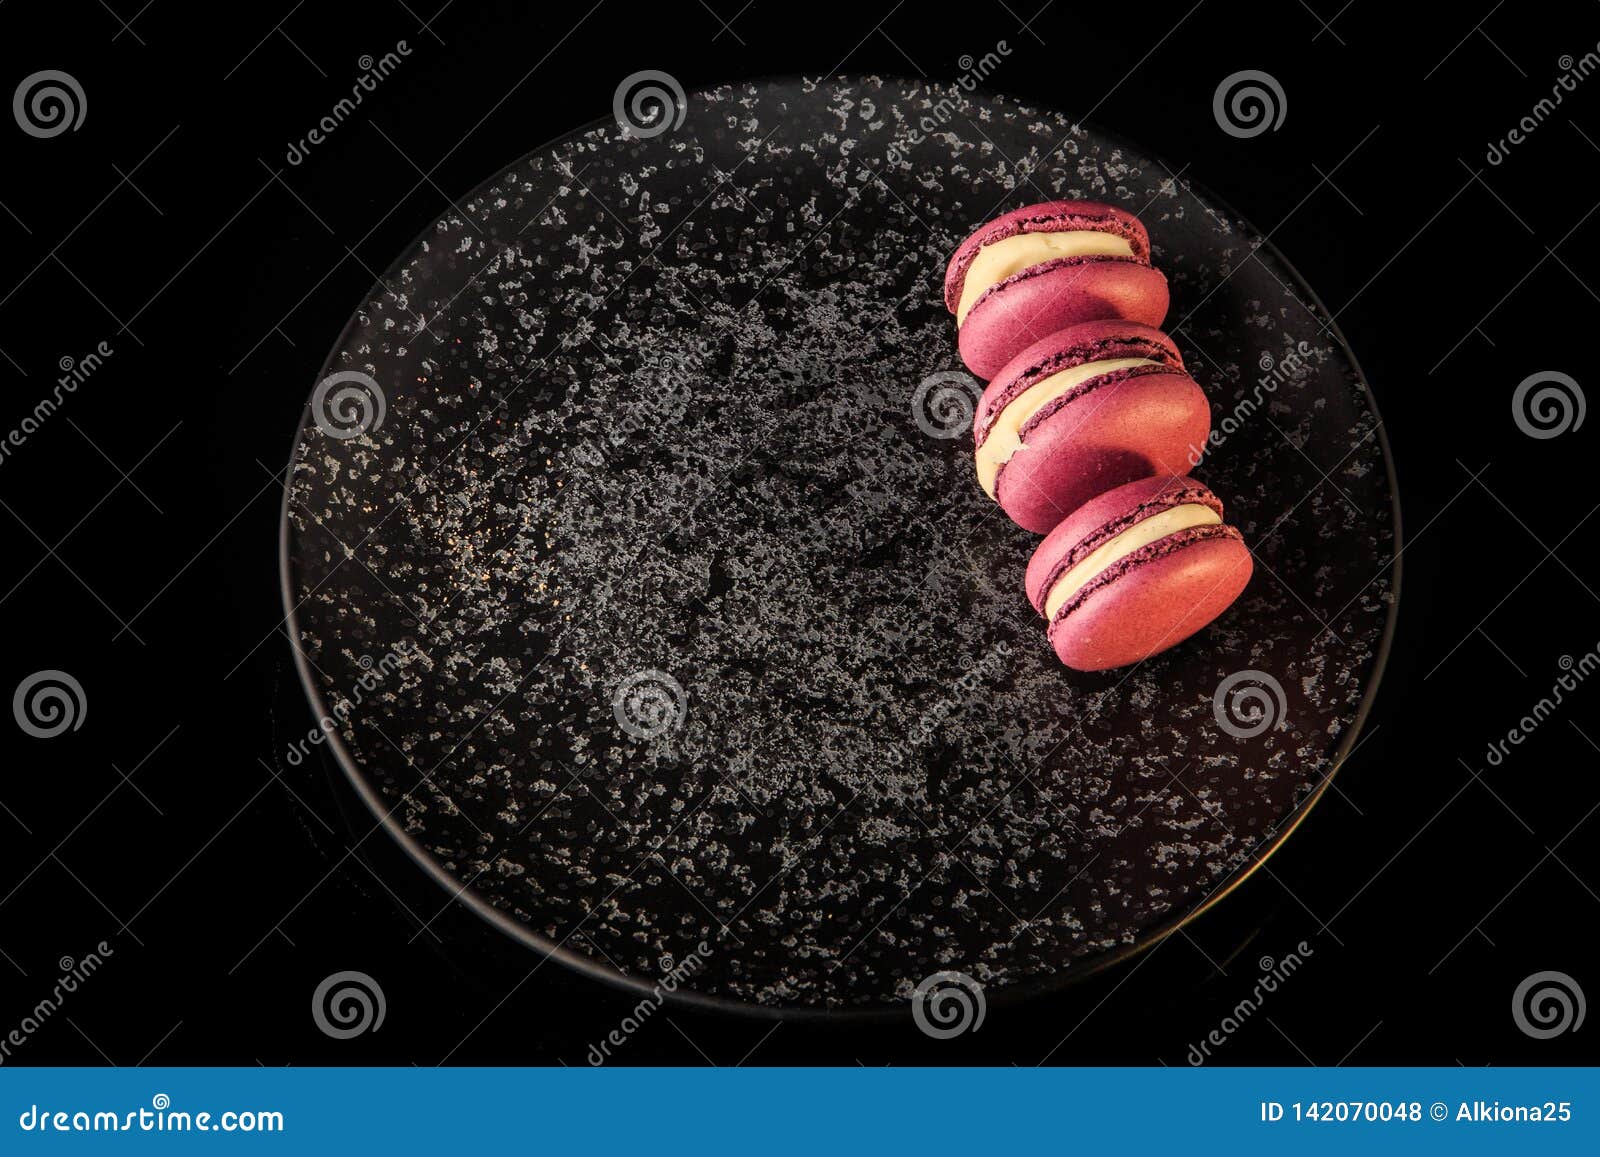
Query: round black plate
x=647, y=582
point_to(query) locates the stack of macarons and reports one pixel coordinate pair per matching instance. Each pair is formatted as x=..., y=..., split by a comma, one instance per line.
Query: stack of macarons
x=1086, y=430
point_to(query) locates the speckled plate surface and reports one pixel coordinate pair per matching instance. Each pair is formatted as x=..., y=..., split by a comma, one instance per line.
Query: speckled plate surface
x=661, y=607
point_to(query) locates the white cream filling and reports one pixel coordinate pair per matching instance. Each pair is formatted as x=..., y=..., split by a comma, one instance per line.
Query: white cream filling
x=1012, y=255
x=1136, y=537
x=1005, y=437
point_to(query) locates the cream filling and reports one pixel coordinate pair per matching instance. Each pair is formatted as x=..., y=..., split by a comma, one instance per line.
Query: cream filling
x=1005, y=437
x=1000, y=260
x=1136, y=537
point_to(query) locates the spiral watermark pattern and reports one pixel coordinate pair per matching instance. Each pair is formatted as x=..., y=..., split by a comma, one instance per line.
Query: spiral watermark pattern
x=1548, y=1004
x=49, y=703
x=1247, y=703
x=648, y=104
x=347, y=404
x=348, y=1004
x=648, y=704
x=1249, y=103
x=943, y=403
x=1548, y=404
x=948, y=1004
x=161, y=1101
x=48, y=104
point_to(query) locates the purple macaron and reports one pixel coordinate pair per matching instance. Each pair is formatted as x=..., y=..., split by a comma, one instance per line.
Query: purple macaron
x=1086, y=409
x=1032, y=271
x=1136, y=571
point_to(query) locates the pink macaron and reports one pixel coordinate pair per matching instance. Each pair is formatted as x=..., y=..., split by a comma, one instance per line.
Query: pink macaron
x=1135, y=571
x=1088, y=408
x=1034, y=270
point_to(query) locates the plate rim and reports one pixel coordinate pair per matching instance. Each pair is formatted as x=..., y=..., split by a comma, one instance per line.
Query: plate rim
x=1036, y=988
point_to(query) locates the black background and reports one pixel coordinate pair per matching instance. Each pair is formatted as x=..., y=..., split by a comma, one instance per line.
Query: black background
x=141, y=520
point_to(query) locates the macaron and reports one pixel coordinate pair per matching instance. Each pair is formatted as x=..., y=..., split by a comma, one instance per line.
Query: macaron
x=1089, y=407
x=1136, y=571
x=1034, y=270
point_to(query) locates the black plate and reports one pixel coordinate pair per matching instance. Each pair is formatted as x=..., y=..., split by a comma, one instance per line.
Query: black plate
x=665, y=608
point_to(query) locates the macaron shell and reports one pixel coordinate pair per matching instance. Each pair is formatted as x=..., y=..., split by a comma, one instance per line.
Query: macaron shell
x=1102, y=517
x=1130, y=426
x=1087, y=341
x=1033, y=304
x=1045, y=217
x=1153, y=600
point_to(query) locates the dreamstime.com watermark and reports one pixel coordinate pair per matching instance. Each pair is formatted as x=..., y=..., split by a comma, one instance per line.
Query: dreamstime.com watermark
x=974, y=71
x=944, y=402
x=1273, y=975
x=374, y=672
x=649, y=103
x=947, y=1004
x=1575, y=671
x=372, y=73
x=348, y=1004
x=347, y=404
x=49, y=103
x=962, y=692
x=1548, y=404
x=160, y=1117
x=671, y=980
x=1249, y=103
x=49, y=703
x=1274, y=372
x=1248, y=703
x=668, y=382
x=1573, y=72
x=74, y=973
x=648, y=704
x=74, y=372
x=1548, y=1004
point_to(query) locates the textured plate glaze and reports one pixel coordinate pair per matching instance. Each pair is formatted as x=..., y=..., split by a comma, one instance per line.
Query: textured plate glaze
x=653, y=405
